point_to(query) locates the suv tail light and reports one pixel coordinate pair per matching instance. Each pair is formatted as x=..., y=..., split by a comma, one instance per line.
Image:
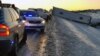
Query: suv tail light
x=4, y=30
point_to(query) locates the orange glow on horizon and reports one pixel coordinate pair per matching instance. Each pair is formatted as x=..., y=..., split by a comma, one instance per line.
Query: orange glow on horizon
x=48, y=4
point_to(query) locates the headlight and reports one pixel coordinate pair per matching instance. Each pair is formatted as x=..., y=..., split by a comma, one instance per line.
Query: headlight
x=23, y=21
x=43, y=22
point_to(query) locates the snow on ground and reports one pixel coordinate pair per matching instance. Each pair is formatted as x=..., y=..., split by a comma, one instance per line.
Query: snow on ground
x=95, y=17
x=67, y=38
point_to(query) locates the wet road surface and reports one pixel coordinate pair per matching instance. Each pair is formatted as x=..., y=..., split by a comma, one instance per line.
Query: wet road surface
x=69, y=38
x=35, y=44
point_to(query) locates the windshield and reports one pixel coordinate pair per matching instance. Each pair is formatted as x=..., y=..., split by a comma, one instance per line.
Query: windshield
x=28, y=14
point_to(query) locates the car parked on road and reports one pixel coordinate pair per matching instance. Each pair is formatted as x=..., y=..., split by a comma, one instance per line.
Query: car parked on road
x=32, y=20
x=11, y=31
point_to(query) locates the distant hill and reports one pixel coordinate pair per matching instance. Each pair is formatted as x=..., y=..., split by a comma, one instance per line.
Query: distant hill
x=90, y=10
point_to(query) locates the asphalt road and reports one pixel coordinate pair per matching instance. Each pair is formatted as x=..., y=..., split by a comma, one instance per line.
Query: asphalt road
x=35, y=44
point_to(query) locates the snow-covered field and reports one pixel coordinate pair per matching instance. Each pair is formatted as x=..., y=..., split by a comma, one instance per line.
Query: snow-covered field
x=67, y=38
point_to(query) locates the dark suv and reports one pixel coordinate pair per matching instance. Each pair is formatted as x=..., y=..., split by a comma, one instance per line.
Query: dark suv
x=11, y=31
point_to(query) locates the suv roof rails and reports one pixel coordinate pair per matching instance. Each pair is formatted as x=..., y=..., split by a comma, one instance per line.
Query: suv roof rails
x=6, y=5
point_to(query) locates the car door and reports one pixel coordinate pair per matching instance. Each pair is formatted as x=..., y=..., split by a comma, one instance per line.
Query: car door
x=19, y=26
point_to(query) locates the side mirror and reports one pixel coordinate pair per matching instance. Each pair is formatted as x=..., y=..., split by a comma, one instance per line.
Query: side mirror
x=18, y=20
x=21, y=19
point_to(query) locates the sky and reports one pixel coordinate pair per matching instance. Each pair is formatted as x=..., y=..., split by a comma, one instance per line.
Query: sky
x=48, y=4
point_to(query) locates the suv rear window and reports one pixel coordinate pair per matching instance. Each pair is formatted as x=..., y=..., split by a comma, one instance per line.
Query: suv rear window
x=1, y=15
x=28, y=13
